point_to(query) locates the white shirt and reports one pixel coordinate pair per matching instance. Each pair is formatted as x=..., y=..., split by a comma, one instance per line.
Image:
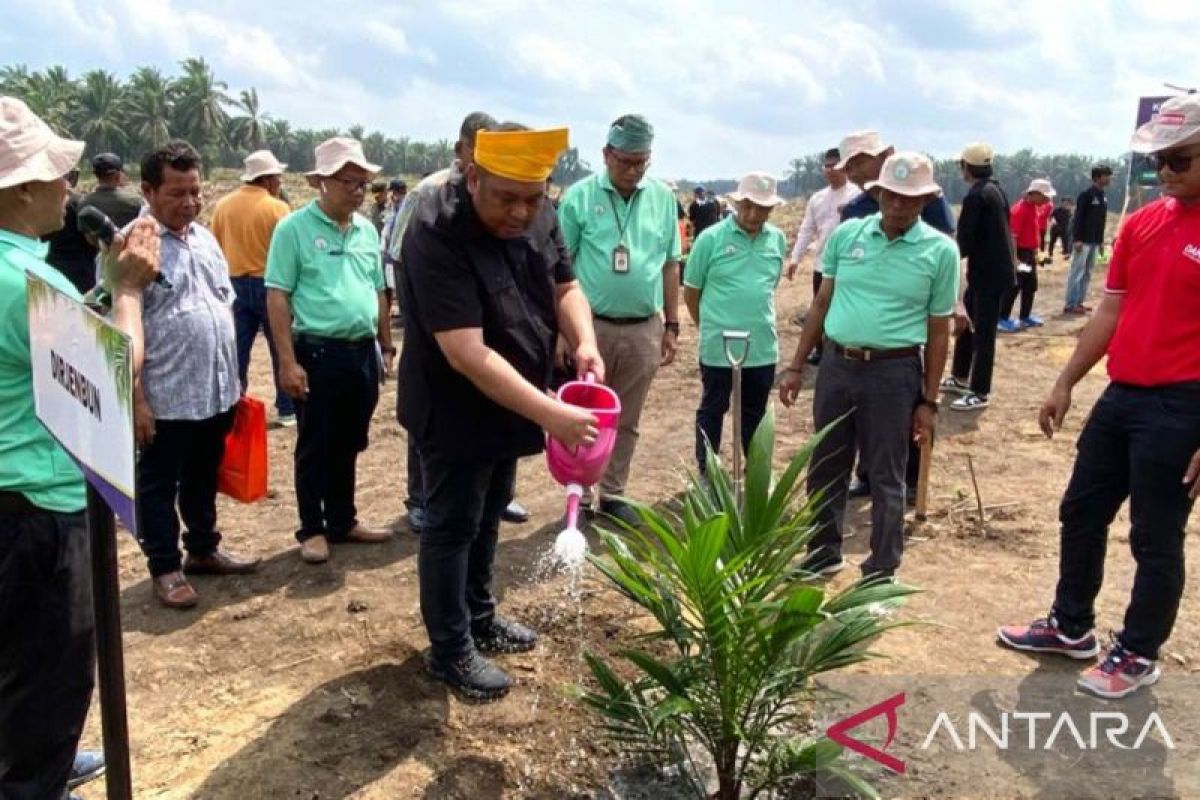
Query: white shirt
x=822, y=214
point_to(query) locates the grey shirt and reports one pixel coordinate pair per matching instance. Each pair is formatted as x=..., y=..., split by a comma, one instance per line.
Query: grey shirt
x=190, y=371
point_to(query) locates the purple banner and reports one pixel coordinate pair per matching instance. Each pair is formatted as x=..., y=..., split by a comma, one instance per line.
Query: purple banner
x=122, y=505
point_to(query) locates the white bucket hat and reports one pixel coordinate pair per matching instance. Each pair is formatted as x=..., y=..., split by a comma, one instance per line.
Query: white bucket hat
x=908, y=173
x=858, y=143
x=758, y=188
x=335, y=153
x=29, y=150
x=261, y=163
x=1177, y=122
x=1042, y=186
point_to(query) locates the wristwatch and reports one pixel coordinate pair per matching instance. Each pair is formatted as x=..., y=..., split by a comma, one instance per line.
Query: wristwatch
x=932, y=405
x=673, y=327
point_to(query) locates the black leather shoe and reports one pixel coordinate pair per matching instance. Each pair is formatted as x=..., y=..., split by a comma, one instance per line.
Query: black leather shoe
x=622, y=512
x=474, y=676
x=515, y=513
x=89, y=765
x=503, y=636
x=858, y=488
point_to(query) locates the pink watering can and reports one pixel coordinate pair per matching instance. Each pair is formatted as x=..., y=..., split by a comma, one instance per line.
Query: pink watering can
x=583, y=465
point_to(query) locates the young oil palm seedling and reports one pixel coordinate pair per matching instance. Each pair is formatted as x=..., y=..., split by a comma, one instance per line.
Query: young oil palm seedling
x=740, y=635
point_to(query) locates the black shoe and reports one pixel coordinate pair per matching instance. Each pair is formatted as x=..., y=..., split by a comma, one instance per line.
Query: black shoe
x=622, y=512
x=515, y=512
x=814, y=358
x=503, y=636
x=89, y=765
x=474, y=676
x=821, y=563
x=858, y=488
x=878, y=576
x=910, y=496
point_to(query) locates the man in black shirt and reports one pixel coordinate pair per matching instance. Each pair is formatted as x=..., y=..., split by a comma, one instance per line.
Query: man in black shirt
x=112, y=195
x=70, y=251
x=1060, y=227
x=985, y=241
x=488, y=287
x=703, y=211
x=1087, y=234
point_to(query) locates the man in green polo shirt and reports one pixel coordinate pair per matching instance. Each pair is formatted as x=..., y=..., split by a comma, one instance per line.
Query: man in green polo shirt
x=330, y=318
x=47, y=653
x=729, y=285
x=891, y=285
x=620, y=228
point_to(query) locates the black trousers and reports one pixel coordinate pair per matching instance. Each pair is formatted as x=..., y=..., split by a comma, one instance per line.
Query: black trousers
x=47, y=647
x=180, y=466
x=416, y=483
x=714, y=403
x=975, y=351
x=877, y=398
x=332, y=424
x=463, y=504
x=1136, y=444
x=1058, y=234
x=1027, y=286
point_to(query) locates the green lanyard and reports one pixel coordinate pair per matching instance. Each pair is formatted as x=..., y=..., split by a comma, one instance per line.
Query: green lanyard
x=622, y=225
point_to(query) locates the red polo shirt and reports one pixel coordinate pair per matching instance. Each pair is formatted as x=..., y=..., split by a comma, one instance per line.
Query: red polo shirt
x=1043, y=216
x=1023, y=220
x=1156, y=266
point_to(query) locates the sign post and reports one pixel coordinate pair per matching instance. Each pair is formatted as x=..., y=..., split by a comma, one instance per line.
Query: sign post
x=83, y=393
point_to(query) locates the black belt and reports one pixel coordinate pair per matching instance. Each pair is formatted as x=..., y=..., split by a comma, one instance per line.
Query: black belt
x=622, y=320
x=15, y=504
x=327, y=341
x=869, y=354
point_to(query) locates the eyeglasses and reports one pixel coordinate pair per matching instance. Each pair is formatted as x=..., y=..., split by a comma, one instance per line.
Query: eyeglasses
x=353, y=184
x=1179, y=163
x=626, y=163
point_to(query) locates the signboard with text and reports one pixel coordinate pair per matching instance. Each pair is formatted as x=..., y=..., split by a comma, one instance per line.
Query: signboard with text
x=83, y=391
x=1141, y=171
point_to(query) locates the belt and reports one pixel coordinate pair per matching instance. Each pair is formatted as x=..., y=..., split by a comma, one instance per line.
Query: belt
x=869, y=354
x=622, y=320
x=328, y=341
x=15, y=504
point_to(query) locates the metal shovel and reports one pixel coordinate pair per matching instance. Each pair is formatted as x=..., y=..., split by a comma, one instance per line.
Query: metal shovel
x=732, y=341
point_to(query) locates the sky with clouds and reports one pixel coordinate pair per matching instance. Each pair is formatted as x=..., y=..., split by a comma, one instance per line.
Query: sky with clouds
x=729, y=86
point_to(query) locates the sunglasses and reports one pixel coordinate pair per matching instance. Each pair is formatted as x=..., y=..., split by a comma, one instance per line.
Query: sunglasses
x=1178, y=163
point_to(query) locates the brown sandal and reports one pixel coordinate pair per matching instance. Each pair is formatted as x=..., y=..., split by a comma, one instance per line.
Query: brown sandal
x=174, y=591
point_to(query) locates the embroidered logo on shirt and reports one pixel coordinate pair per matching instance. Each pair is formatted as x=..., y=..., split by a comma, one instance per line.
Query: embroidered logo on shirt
x=730, y=249
x=320, y=243
x=1193, y=252
x=858, y=252
x=598, y=209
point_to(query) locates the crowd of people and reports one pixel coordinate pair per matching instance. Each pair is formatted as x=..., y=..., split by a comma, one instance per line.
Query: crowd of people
x=502, y=293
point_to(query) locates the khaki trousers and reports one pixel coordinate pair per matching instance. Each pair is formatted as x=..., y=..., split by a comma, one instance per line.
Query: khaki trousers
x=631, y=356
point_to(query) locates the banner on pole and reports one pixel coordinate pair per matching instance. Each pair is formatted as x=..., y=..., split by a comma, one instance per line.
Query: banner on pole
x=83, y=391
x=1141, y=171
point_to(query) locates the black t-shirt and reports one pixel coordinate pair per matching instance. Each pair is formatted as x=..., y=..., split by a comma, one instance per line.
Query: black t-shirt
x=985, y=238
x=703, y=214
x=121, y=204
x=70, y=253
x=457, y=275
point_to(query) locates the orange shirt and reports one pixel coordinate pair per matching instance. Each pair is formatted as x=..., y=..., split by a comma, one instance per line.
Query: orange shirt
x=243, y=222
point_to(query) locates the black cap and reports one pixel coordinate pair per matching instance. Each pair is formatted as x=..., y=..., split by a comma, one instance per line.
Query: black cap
x=106, y=164
x=378, y=186
x=397, y=185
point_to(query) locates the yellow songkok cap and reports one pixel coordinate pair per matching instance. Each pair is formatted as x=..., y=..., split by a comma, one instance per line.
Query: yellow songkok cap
x=527, y=156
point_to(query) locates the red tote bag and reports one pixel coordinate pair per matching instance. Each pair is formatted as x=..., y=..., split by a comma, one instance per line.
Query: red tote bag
x=243, y=473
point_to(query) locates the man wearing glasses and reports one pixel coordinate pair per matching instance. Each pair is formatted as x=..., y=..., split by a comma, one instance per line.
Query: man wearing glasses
x=329, y=316
x=1142, y=439
x=620, y=228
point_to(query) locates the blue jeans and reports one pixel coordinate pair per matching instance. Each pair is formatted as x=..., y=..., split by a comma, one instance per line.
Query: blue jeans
x=250, y=315
x=1136, y=444
x=1081, y=273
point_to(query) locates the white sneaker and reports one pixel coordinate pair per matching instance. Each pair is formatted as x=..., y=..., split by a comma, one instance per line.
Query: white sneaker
x=953, y=385
x=971, y=402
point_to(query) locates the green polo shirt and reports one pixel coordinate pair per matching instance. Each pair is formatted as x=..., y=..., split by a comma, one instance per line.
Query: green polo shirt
x=737, y=276
x=885, y=291
x=592, y=215
x=334, y=277
x=31, y=461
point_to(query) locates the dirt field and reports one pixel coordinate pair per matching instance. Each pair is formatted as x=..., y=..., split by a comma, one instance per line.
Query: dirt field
x=307, y=682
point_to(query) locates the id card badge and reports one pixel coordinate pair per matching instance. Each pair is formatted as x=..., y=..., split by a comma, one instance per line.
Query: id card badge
x=620, y=259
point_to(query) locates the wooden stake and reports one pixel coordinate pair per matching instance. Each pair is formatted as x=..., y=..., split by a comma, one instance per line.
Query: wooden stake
x=975, y=483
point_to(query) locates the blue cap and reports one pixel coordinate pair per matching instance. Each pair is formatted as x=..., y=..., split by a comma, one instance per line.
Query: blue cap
x=699, y=189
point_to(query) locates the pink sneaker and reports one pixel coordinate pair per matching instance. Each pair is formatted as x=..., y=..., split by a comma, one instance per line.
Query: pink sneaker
x=1044, y=636
x=1120, y=674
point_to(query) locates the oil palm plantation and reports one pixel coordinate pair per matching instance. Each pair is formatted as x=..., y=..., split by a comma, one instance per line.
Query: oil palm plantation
x=99, y=112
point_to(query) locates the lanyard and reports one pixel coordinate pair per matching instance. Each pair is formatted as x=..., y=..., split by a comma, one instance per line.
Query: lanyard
x=622, y=224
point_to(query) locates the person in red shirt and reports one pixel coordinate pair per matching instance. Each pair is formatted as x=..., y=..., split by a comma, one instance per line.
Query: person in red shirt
x=1142, y=440
x=1026, y=224
x=1044, y=211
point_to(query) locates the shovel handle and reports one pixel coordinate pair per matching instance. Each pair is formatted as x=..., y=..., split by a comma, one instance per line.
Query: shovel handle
x=730, y=338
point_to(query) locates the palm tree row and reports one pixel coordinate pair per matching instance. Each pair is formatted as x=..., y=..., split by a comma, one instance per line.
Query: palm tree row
x=143, y=112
